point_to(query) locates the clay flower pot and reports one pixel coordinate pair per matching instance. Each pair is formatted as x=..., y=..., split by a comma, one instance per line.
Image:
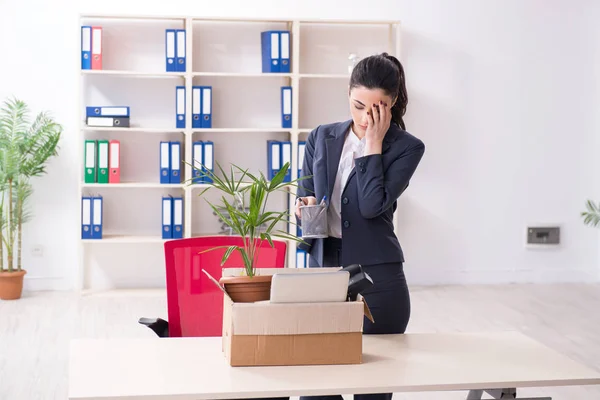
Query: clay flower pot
x=245, y=289
x=11, y=284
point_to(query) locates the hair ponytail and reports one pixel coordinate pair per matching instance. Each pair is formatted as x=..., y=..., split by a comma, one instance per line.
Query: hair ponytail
x=383, y=71
x=399, y=107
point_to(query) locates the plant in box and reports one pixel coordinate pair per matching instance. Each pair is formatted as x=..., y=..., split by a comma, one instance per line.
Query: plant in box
x=25, y=147
x=242, y=207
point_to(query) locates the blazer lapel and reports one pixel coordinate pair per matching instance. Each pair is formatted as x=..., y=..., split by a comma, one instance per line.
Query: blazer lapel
x=334, y=145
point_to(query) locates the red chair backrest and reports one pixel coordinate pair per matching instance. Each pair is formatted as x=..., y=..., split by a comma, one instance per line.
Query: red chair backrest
x=194, y=303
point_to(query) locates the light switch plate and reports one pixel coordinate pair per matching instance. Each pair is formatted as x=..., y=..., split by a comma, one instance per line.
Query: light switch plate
x=543, y=235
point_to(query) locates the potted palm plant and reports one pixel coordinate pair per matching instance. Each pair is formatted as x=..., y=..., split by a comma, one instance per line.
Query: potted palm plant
x=25, y=147
x=246, y=216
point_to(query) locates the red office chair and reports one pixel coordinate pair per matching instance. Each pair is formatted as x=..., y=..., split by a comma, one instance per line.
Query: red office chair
x=195, y=304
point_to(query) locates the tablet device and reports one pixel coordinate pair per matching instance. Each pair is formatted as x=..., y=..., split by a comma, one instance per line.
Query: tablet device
x=310, y=288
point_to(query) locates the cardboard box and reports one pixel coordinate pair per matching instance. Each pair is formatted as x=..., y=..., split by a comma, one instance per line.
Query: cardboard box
x=263, y=333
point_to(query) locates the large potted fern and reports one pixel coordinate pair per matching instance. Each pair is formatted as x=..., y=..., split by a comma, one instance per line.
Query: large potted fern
x=244, y=197
x=25, y=147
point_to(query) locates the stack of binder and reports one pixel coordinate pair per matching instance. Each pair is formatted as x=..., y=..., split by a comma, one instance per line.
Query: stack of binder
x=91, y=47
x=278, y=153
x=201, y=106
x=175, y=50
x=102, y=163
x=275, y=48
x=172, y=217
x=170, y=162
x=91, y=217
x=107, y=116
x=203, y=154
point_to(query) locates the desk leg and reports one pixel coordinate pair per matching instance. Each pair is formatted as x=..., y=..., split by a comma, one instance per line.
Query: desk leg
x=501, y=394
x=475, y=395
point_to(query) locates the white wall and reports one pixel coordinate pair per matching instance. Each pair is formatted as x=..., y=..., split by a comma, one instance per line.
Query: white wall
x=503, y=93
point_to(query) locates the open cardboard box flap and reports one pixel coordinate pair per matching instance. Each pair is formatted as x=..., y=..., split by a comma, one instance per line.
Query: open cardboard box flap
x=367, y=311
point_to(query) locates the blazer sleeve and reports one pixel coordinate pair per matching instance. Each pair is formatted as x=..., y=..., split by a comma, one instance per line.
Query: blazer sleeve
x=378, y=191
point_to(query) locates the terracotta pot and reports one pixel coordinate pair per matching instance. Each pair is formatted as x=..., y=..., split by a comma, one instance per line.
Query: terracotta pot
x=11, y=285
x=244, y=289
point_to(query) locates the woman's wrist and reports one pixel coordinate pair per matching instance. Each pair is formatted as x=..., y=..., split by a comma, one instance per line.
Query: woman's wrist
x=373, y=147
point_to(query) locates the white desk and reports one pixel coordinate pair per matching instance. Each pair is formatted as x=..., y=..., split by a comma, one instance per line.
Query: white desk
x=195, y=368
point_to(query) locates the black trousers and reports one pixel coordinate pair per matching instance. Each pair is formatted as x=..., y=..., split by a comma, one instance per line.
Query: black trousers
x=389, y=302
x=388, y=299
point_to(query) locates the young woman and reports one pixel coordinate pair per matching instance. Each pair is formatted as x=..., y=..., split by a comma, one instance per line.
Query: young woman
x=361, y=167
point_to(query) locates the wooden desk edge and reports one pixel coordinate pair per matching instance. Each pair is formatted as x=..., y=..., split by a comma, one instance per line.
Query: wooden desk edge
x=325, y=392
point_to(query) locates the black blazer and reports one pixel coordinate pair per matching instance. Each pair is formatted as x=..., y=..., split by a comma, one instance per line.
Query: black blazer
x=369, y=197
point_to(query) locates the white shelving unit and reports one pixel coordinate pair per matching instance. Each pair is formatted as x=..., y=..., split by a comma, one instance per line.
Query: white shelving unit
x=226, y=54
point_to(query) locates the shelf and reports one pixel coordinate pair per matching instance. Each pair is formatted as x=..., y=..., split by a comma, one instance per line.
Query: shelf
x=132, y=129
x=347, y=22
x=134, y=185
x=204, y=185
x=326, y=76
x=134, y=74
x=243, y=74
x=126, y=239
x=325, y=47
x=331, y=92
x=193, y=130
x=269, y=75
x=244, y=103
x=225, y=54
x=198, y=18
x=242, y=130
x=145, y=74
x=117, y=17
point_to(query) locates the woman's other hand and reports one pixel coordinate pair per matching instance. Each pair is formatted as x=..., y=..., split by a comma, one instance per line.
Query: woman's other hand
x=304, y=201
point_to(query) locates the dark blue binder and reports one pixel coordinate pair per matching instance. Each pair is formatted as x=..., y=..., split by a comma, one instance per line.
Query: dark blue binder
x=177, y=218
x=171, y=50
x=284, y=51
x=180, y=50
x=286, y=106
x=167, y=217
x=86, y=217
x=165, y=162
x=206, y=106
x=180, y=106
x=196, y=106
x=97, y=216
x=107, y=111
x=270, y=48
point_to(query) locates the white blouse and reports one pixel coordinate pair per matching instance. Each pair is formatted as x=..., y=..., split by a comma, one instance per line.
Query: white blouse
x=353, y=148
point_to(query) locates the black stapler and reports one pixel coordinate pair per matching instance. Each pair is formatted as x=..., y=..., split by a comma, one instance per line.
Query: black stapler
x=359, y=280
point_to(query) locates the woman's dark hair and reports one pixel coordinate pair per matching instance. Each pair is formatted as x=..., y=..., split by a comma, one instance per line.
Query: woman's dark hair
x=383, y=71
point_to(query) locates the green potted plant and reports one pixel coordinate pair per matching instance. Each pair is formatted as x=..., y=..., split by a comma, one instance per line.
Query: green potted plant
x=25, y=147
x=244, y=197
